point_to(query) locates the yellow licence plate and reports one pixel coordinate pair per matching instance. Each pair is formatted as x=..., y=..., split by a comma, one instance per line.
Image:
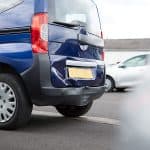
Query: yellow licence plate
x=80, y=73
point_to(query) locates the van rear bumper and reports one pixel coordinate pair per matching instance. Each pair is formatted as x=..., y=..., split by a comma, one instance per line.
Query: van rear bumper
x=37, y=81
x=72, y=96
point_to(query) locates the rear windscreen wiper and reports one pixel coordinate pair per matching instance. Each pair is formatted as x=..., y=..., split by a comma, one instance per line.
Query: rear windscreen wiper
x=66, y=24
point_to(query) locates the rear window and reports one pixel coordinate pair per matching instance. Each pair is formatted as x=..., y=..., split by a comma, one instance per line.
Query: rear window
x=8, y=4
x=84, y=12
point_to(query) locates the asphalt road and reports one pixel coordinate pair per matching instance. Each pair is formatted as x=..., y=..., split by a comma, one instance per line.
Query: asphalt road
x=48, y=130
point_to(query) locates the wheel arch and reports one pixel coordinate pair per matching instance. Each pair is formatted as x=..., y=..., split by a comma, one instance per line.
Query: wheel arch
x=6, y=68
x=109, y=76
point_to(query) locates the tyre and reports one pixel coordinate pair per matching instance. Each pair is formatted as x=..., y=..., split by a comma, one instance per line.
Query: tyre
x=15, y=108
x=74, y=111
x=109, y=84
x=120, y=89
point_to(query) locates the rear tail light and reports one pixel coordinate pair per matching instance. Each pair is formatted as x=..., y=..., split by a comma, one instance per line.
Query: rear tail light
x=39, y=33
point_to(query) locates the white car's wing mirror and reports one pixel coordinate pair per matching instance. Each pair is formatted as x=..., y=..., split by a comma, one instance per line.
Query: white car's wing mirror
x=122, y=66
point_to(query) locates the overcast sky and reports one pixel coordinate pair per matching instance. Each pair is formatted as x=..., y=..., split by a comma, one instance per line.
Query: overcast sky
x=125, y=18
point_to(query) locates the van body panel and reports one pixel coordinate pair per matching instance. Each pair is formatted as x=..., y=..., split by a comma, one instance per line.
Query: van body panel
x=64, y=45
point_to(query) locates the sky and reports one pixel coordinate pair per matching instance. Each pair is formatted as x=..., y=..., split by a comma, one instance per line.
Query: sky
x=123, y=19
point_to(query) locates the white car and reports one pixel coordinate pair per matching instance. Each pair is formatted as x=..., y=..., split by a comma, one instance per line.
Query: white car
x=126, y=74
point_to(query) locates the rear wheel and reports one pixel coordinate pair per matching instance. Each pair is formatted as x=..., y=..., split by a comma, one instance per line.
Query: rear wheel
x=109, y=84
x=74, y=111
x=15, y=109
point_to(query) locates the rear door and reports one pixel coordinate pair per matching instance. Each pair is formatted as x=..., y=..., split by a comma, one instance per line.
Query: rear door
x=75, y=45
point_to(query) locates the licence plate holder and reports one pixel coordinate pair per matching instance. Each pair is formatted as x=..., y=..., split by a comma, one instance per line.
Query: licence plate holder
x=80, y=73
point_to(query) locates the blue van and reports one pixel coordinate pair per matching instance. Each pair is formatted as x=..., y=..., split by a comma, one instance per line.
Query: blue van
x=51, y=53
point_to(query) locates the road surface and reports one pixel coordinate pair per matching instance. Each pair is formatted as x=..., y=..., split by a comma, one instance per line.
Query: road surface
x=48, y=130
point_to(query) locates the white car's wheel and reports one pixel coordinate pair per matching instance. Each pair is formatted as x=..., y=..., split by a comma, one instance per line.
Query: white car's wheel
x=109, y=84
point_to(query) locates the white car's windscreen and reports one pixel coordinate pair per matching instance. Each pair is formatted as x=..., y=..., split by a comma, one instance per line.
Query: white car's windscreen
x=8, y=4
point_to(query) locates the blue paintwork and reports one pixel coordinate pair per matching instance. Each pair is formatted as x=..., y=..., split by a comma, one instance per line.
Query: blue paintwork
x=19, y=16
x=63, y=41
x=41, y=6
x=63, y=45
x=15, y=38
x=19, y=56
x=15, y=49
x=59, y=70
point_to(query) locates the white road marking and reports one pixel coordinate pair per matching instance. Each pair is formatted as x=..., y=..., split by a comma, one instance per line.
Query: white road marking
x=83, y=118
x=46, y=113
x=100, y=120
